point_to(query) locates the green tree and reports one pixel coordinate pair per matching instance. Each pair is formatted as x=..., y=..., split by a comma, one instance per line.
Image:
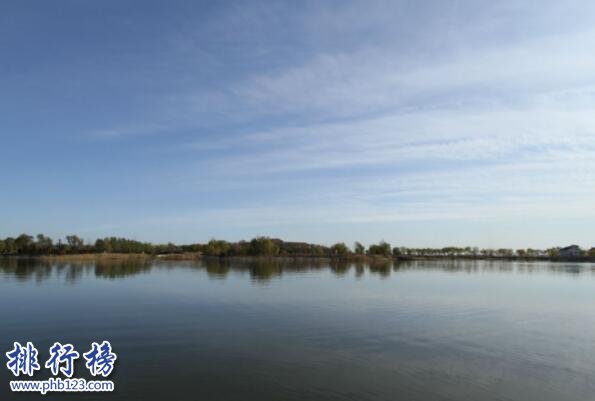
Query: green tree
x=318, y=250
x=44, y=244
x=101, y=246
x=10, y=245
x=339, y=249
x=24, y=244
x=553, y=253
x=217, y=248
x=487, y=253
x=521, y=253
x=505, y=252
x=359, y=248
x=239, y=248
x=74, y=243
x=382, y=249
x=531, y=253
x=263, y=246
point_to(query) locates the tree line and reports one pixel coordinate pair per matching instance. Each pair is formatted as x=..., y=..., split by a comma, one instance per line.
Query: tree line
x=26, y=244
x=41, y=244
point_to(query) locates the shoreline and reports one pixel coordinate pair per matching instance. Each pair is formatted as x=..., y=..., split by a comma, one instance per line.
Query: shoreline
x=189, y=256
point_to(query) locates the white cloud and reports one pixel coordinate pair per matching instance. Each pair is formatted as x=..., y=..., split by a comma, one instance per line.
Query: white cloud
x=377, y=79
x=537, y=161
x=480, y=131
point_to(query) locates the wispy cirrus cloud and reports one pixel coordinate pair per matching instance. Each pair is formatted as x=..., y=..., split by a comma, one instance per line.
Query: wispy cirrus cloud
x=383, y=112
x=377, y=80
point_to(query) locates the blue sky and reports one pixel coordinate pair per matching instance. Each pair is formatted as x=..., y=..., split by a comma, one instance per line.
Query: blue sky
x=422, y=123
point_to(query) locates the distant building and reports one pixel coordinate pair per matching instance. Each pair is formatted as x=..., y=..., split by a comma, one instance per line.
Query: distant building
x=571, y=252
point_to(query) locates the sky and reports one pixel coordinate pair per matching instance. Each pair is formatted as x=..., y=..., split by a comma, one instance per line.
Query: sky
x=425, y=124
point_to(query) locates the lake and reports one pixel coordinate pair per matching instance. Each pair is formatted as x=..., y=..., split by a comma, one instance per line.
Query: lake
x=273, y=330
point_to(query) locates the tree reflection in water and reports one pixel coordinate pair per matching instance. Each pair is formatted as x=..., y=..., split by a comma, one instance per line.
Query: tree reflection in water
x=261, y=270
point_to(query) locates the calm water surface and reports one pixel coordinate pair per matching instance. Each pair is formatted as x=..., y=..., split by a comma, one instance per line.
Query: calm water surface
x=444, y=330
